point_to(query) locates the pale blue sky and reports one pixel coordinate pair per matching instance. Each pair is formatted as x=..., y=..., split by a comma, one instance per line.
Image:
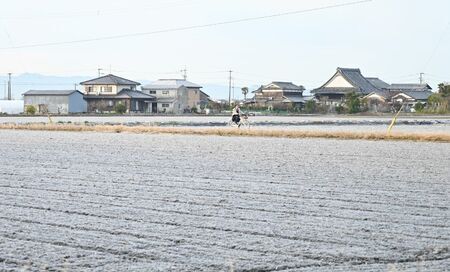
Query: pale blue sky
x=392, y=39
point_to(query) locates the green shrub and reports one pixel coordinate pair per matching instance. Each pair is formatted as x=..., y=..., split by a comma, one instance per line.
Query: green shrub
x=310, y=106
x=120, y=108
x=419, y=107
x=340, y=109
x=30, y=110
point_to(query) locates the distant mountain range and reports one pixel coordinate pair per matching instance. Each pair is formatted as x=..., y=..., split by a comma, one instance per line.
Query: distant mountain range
x=29, y=81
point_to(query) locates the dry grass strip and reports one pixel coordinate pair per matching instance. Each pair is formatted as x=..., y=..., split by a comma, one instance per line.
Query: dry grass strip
x=421, y=137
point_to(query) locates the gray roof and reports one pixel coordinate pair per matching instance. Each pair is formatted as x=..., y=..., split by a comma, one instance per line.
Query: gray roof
x=135, y=94
x=125, y=93
x=354, y=77
x=380, y=84
x=167, y=84
x=285, y=86
x=110, y=80
x=418, y=95
x=410, y=87
x=293, y=99
x=51, y=92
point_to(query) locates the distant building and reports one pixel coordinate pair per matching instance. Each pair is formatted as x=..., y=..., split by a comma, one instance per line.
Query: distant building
x=378, y=95
x=176, y=95
x=344, y=81
x=104, y=93
x=279, y=95
x=55, y=101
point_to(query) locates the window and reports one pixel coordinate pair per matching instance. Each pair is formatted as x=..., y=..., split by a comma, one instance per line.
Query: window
x=110, y=103
x=89, y=89
x=165, y=105
x=165, y=92
x=108, y=89
x=152, y=92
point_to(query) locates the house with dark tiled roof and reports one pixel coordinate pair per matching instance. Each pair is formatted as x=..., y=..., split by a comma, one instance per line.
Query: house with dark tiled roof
x=378, y=95
x=344, y=81
x=278, y=94
x=104, y=93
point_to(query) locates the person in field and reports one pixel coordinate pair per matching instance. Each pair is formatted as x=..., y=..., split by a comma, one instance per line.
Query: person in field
x=236, y=115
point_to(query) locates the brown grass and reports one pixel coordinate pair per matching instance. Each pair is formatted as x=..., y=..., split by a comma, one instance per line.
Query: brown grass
x=422, y=137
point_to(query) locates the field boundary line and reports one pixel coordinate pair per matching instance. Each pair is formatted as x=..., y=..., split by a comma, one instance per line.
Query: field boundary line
x=403, y=136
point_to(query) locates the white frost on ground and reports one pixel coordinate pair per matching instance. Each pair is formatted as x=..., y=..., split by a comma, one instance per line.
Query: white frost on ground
x=115, y=202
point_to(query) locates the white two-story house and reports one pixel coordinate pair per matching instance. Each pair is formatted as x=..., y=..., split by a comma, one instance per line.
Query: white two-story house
x=176, y=95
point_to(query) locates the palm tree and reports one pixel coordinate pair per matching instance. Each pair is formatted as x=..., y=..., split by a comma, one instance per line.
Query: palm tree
x=245, y=92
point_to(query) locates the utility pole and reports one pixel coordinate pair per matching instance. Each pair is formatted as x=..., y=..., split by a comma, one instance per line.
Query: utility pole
x=99, y=72
x=75, y=86
x=421, y=78
x=229, y=88
x=184, y=71
x=9, y=87
x=233, y=91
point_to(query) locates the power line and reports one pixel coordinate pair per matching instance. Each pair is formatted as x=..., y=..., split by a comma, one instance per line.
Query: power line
x=178, y=29
x=441, y=38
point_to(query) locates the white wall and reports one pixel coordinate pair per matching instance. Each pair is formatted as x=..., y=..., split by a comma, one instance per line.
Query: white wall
x=339, y=82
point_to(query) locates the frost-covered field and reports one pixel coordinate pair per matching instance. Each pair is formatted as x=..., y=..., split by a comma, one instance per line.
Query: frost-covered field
x=418, y=124
x=116, y=202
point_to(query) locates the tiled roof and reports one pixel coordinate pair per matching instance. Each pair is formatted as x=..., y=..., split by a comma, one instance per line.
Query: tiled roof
x=354, y=77
x=135, y=94
x=50, y=92
x=418, y=95
x=410, y=87
x=110, y=80
x=288, y=86
x=380, y=84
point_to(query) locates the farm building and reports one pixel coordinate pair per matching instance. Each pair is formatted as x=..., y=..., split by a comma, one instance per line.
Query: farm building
x=176, y=95
x=104, y=93
x=55, y=101
x=279, y=95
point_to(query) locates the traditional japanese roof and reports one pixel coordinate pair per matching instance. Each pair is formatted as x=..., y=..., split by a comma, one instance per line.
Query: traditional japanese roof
x=417, y=95
x=281, y=85
x=170, y=84
x=110, y=80
x=51, y=92
x=354, y=77
x=409, y=87
x=380, y=84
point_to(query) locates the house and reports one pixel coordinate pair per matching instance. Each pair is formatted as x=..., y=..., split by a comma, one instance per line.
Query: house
x=176, y=95
x=400, y=87
x=344, y=81
x=410, y=98
x=104, y=93
x=55, y=101
x=278, y=94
